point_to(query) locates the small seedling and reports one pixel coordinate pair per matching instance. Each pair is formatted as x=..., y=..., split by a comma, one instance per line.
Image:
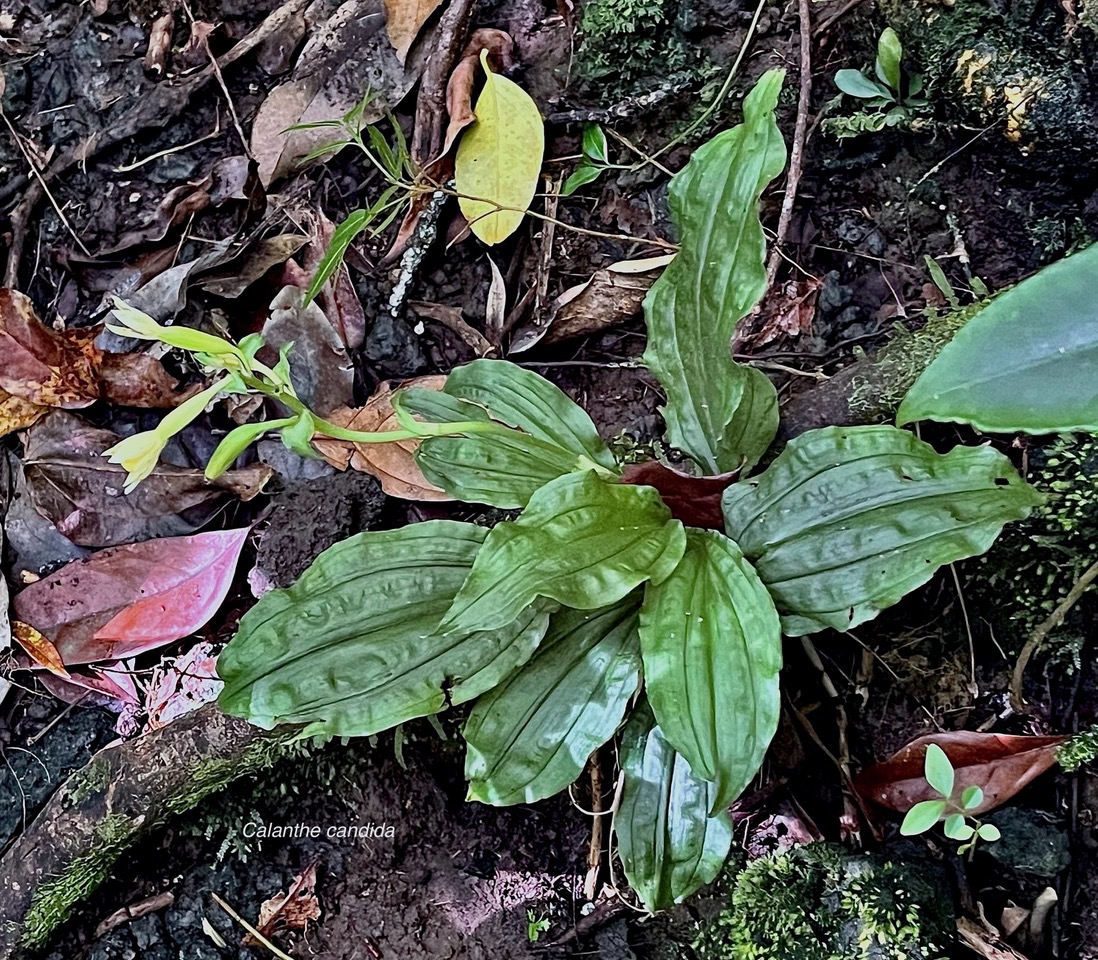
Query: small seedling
x=535, y=926
x=891, y=98
x=959, y=824
x=595, y=161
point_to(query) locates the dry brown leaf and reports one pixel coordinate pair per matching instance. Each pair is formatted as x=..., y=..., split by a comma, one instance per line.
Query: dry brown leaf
x=789, y=312
x=17, y=413
x=393, y=464
x=160, y=44
x=289, y=911
x=45, y=366
x=612, y=297
x=39, y=648
x=460, y=87
x=403, y=21
x=347, y=56
x=139, y=380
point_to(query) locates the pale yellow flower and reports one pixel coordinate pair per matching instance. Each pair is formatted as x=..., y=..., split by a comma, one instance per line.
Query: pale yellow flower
x=138, y=455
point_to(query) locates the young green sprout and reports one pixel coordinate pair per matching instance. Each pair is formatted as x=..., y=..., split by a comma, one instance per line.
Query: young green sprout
x=926, y=814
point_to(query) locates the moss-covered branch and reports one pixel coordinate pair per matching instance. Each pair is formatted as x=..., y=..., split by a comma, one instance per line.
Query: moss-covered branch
x=125, y=792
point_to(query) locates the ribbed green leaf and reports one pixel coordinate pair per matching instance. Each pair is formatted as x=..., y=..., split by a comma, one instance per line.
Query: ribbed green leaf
x=668, y=844
x=530, y=737
x=722, y=414
x=351, y=648
x=582, y=541
x=849, y=519
x=553, y=435
x=520, y=398
x=1028, y=361
x=712, y=650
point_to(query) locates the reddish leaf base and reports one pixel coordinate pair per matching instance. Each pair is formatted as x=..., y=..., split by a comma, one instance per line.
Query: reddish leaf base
x=696, y=501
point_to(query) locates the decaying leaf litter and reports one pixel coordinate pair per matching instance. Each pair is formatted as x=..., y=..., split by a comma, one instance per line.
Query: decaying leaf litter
x=122, y=600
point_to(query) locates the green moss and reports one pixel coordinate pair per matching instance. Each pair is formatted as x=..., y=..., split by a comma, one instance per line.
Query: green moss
x=627, y=45
x=1035, y=562
x=820, y=903
x=1080, y=749
x=899, y=363
x=54, y=899
x=91, y=780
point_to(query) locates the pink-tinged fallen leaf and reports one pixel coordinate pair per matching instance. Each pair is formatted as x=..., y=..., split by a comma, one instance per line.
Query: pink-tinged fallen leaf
x=393, y=464
x=123, y=601
x=110, y=685
x=997, y=764
x=289, y=911
x=182, y=684
x=696, y=501
x=38, y=648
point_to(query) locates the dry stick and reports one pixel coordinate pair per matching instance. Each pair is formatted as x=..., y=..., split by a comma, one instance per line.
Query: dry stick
x=834, y=18
x=156, y=110
x=796, y=154
x=1037, y=637
x=594, y=849
x=252, y=930
x=430, y=129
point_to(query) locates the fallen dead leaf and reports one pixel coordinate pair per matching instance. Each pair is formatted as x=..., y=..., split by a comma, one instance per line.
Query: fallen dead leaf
x=241, y=272
x=45, y=366
x=38, y=648
x=463, y=81
x=696, y=501
x=158, y=901
x=182, y=684
x=109, y=685
x=789, y=311
x=139, y=380
x=123, y=601
x=393, y=464
x=349, y=55
x=17, y=413
x=289, y=911
x=403, y=21
x=997, y=764
x=611, y=298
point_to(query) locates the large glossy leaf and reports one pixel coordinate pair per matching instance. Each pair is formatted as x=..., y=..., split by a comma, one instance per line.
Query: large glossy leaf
x=1028, y=361
x=351, y=647
x=520, y=398
x=553, y=436
x=530, y=737
x=849, y=519
x=722, y=414
x=583, y=541
x=712, y=650
x=668, y=844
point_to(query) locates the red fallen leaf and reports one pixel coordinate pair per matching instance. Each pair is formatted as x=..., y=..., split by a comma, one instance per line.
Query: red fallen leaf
x=111, y=685
x=139, y=380
x=45, y=366
x=290, y=911
x=696, y=501
x=126, y=600
x=997, y=764
x=459, y=88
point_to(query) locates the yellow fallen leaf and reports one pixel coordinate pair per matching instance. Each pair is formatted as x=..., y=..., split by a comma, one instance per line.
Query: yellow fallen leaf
x=17, y=413
x=403, y=20
x=499, y=158
x=40, y=649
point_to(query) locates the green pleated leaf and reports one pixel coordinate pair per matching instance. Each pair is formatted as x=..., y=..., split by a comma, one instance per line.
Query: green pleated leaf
x=553, y=436
x=520, y=398
x=530, y=737
x=722, y=414
x=1027, y=362
x=711, y=641
x=847, y=520
x=582, y=541
x=351, y=648
x=668, y=843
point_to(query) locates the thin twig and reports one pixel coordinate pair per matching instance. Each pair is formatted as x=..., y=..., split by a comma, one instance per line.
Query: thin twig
x=975, y=691
x=796, y=153
x=1037, y=637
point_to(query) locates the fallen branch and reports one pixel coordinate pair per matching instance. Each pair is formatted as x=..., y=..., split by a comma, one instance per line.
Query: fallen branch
x=1036, y=638
x=124, y=793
